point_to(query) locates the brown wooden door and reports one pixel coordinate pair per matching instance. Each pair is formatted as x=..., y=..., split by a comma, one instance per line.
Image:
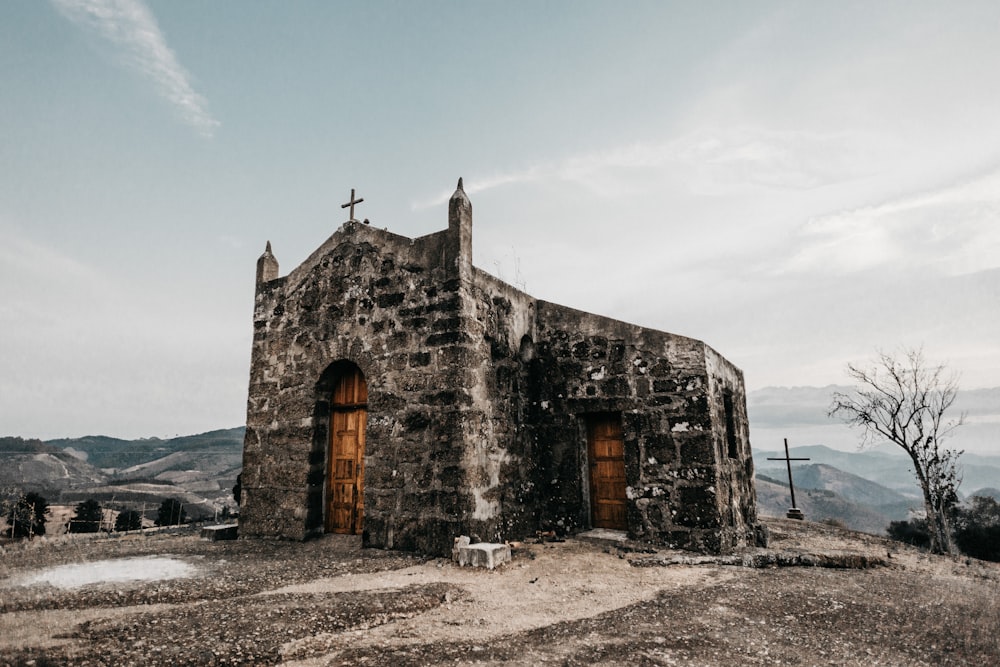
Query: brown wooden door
x=607, y=471
x=345, y=508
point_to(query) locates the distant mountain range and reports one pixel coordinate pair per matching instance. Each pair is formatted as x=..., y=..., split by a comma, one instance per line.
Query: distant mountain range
x=199, y=470
x=33, y=465
x=886, y=466
x=104, y=452
x=800, y=414
x=827, y=491
x=820, y=505
x=864, y=489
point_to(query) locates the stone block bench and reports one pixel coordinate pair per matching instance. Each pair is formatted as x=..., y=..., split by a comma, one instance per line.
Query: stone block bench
x=480, y=554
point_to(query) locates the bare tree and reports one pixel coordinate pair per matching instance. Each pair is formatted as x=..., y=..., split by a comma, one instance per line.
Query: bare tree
x=903, y=400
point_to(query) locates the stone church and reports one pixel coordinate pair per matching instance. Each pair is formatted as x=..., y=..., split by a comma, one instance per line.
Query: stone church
x=400, y=393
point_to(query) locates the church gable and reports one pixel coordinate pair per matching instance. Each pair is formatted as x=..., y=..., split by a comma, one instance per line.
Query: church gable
x=391, y=306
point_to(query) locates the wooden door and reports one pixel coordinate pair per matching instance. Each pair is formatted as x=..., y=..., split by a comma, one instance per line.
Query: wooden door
x=607, y=471
x=345, y=506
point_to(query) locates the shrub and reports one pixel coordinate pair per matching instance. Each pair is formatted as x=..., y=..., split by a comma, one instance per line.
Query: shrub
x=171, y=513
x=128, y=520
x=977, y=528
x=87, y=518
x=912, y=532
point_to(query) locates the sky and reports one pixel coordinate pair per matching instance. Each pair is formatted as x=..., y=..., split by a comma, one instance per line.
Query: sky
x=796, y=184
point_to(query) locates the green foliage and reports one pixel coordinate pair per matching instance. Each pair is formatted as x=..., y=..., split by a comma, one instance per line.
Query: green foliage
x=87, y=518
x=128, y=520
x=12, y=445
x=26, y=516
x=171, y=513
x=238, y=488
x=977, y=528
x=105, y=452
x=912, y=532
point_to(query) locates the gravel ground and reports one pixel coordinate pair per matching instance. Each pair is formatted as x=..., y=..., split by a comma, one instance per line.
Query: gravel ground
x=329, y=602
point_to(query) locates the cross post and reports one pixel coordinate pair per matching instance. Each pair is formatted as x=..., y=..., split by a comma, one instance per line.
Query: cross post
x=793, y=512
x=351, y=204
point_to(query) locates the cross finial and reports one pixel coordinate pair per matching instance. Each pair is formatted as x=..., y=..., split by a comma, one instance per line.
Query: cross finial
x=351, y=204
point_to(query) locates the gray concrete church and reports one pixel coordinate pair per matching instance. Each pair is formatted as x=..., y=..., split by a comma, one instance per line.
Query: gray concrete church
x=400, y=393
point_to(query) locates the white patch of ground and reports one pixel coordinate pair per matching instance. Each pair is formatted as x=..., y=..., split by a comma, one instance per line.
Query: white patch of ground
x=149, y=568
x=561, y=582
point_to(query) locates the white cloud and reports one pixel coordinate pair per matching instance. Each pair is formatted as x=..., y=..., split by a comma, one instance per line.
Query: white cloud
x=131, y=26
x=482, y=184
x=707, y=160
x=954, y=230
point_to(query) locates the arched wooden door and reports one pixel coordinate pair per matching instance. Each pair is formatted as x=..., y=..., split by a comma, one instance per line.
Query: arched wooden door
x=345, y=506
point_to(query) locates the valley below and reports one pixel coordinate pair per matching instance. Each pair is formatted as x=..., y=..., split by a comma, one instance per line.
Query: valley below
x=198, y=470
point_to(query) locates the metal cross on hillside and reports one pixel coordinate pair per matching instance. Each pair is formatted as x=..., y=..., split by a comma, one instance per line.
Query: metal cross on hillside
x=351, y=204
x=793, y=512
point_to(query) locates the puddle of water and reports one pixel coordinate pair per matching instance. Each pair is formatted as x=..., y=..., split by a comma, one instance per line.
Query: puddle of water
x=148, y=568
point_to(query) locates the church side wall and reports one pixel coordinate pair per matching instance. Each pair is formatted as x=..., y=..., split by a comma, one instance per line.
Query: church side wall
x=735, y=493
x=393, y=307
x=660, y=385
x=500, y=458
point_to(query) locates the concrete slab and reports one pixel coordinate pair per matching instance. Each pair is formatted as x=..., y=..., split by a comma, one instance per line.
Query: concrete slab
x=226, y=531
x=480, y=554
x=604, y=536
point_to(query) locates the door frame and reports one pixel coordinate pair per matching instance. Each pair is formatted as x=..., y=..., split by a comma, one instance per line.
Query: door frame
x=588, y=423
x=359, y=404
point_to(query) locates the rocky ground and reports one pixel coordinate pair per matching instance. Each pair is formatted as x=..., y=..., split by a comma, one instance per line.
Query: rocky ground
x=329, y=602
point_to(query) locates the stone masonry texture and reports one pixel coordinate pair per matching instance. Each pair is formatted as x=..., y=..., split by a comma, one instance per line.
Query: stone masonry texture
x=478, y=396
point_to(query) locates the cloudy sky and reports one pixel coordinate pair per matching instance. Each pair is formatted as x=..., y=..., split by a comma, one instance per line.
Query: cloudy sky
x=797, y=184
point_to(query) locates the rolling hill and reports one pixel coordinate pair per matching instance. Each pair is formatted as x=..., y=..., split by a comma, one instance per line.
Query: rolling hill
x=818, y=505
x=33, y=465
x=199, y=470
x=825, y=492
x=104, y=452
x=885, y=465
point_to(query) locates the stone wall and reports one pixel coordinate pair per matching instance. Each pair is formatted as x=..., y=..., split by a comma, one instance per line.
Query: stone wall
x=502, y=457
x=394, y=307
x=661, y=385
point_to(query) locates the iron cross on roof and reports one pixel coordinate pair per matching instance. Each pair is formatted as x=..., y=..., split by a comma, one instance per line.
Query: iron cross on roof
x=793, y=512
x=351, y=204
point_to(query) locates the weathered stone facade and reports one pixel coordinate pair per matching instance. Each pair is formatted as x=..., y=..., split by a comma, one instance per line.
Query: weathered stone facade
x=478, y=404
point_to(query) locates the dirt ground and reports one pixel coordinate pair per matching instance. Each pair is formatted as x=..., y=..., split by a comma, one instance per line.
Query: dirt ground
x=329, y=602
